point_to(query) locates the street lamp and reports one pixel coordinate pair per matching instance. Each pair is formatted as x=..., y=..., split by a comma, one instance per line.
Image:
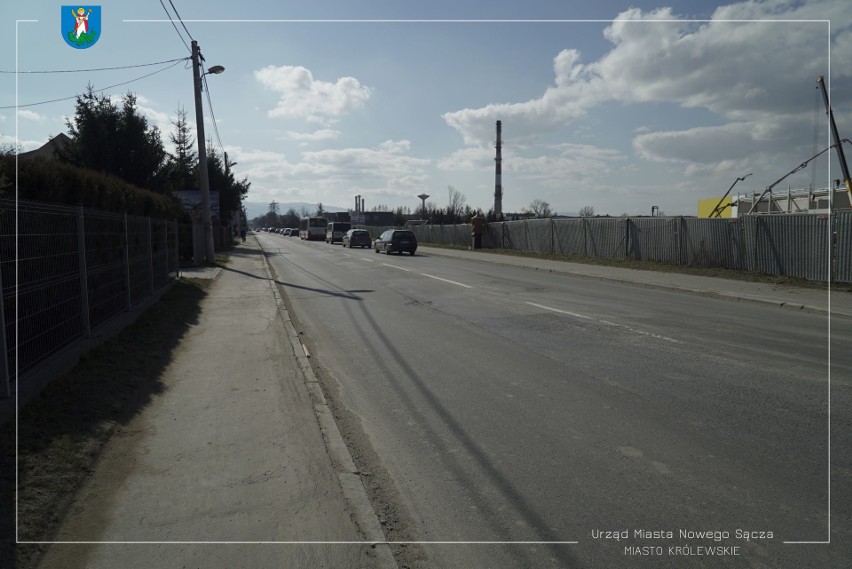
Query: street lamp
x=207, y=218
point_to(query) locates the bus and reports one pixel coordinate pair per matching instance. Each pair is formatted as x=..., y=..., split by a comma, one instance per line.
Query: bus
x=311, y=228
x=336, y=230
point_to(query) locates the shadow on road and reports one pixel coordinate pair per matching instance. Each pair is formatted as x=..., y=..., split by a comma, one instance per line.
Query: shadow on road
x=350, y=294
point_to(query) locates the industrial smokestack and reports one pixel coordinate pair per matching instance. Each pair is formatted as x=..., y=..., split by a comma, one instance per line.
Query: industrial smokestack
x=498, y=174
x=362, y=205
x=357, y=203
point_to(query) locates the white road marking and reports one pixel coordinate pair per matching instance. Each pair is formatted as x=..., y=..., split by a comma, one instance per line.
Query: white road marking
x=559, y=311
x=643, y=332
x=369, y=260
x=446, y=280
x=395, y=267
x=607, y=323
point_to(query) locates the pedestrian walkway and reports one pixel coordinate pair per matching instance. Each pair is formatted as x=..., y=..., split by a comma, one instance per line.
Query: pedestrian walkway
x=836, y=303
x=228, y=466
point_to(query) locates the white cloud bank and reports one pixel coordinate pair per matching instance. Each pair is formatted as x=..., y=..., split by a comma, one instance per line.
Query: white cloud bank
x=756, y=77
x=304, y=97
x=30, y=115
x=316, y=136
x=386, y=170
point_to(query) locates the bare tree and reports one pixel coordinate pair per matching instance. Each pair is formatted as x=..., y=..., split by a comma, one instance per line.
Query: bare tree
x=587, y=211
x=539, y=208
x=291, y=218
x=455, y=205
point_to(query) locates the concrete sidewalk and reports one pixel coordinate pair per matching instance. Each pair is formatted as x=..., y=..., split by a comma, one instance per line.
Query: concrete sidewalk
x=838, y=304
x=236, y=463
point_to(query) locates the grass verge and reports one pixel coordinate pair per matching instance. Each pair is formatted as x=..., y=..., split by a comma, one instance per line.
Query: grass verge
x=62, y=431
x=716, y=272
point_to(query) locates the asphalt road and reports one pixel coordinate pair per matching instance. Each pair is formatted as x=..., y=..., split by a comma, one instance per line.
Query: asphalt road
x=537, y=417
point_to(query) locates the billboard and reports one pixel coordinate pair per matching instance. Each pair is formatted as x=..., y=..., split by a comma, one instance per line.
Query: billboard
x=191, y=202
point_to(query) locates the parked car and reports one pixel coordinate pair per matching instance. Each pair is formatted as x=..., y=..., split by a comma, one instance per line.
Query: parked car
x=396, y=241
x=357, y=238
x=288, y=231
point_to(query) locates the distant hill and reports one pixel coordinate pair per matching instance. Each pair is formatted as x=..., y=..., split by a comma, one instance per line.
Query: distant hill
x=256, y=209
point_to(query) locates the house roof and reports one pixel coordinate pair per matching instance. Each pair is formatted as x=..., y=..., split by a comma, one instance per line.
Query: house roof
x=47, y=150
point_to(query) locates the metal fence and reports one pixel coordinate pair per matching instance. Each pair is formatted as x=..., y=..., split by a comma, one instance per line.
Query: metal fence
x=817, y=247
x=66, y=270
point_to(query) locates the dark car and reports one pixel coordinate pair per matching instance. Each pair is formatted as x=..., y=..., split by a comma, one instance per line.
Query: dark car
x=396, y=241
x=357, y=238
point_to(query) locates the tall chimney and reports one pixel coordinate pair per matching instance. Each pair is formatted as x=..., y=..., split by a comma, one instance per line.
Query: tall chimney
x=498, y=174
x=362, y=205
x=357, y=203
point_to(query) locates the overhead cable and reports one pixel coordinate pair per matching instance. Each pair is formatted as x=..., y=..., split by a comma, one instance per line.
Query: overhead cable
x=94, y=91
x=181, y=21
x=212, y=115
x=98, y=68
x=175, y=27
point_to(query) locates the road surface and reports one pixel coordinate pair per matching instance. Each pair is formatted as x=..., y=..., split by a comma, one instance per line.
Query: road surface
x=510, y=418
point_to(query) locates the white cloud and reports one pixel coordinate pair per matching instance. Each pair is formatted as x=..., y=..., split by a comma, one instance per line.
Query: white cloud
x=316, y=136
x=395, y=146
x=23, y=145
x=756, y=77
x=472, y=159
x=713, y=144
x=386, y=161
x=302, y=96
x=384, y=172
x=554, y=159
x=161, y=120
x=30, y=115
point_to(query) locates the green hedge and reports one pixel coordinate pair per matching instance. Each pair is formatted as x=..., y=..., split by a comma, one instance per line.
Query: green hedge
x=50, y=181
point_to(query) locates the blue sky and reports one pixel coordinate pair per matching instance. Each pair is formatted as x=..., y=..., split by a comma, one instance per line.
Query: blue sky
x=646, y=107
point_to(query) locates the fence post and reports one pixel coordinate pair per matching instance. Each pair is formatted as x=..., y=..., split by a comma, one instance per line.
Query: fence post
x=84, y=273
x=832, y=245
x=166, y=247
x=150, y=258
x=629, y=250
x=127, y=265
x=4, y=369
x=177, y=250
x=552, y=236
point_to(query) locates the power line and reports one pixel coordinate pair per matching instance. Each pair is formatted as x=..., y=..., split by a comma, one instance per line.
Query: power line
x=181, y=21
x=174, y=26
x=95, y=91
x=212, y=115
x=97, y=69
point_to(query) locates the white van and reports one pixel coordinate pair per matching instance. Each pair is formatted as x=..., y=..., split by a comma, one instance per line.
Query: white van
x=335, y=231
